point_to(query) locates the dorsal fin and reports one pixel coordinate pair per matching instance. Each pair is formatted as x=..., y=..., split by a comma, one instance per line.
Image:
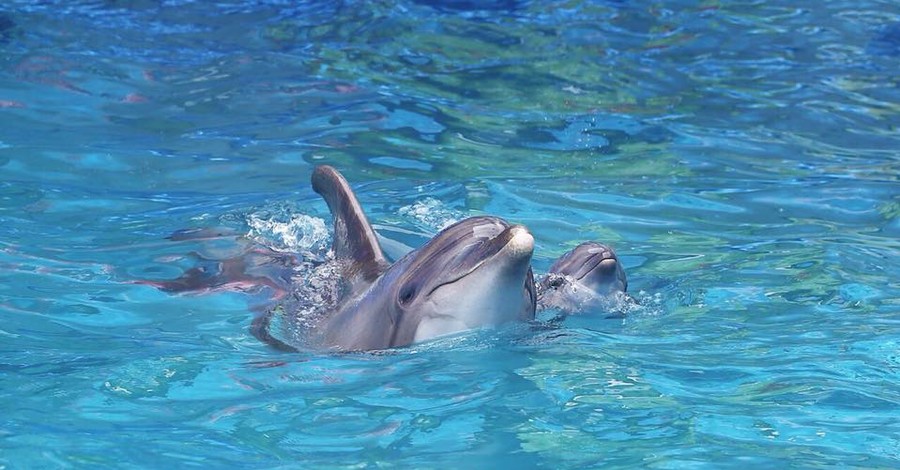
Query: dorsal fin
x=354, y=238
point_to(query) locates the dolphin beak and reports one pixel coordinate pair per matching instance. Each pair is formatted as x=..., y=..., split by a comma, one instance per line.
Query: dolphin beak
x=520, y=242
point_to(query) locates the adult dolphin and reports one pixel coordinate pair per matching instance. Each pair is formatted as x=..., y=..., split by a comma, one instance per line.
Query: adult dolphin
x=475, y=273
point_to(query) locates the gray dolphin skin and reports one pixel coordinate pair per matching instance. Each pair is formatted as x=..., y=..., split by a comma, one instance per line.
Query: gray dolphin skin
x=473, y=274
x=582, y=278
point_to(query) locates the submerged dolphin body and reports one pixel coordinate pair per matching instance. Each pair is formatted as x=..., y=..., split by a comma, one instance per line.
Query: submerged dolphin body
x=475, y=273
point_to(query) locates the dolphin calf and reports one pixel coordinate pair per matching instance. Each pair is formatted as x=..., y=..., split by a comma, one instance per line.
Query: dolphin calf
x=473, y=274
x=582, y=279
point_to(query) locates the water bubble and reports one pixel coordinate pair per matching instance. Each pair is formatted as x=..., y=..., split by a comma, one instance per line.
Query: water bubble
x=430, y=213
x=295, y=233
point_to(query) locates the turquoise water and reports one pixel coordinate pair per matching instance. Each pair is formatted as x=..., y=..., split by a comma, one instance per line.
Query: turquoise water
x=742, y=157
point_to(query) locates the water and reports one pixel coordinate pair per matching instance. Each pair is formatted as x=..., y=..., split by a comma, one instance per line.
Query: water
x=742, y=157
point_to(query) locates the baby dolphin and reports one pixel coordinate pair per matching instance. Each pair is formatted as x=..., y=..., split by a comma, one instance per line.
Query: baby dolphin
x=583, y=277
x=475, y=273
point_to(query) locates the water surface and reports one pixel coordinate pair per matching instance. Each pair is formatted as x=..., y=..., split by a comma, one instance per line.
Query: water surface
x=741, y=156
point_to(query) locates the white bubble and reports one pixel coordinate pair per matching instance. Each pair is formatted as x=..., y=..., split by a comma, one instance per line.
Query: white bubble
x=294, y=233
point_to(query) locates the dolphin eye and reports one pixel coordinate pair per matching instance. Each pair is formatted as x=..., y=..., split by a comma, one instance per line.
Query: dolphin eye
x=407, y=293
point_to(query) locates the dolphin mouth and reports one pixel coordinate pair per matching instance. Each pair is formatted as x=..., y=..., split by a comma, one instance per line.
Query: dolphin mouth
x=515, y=241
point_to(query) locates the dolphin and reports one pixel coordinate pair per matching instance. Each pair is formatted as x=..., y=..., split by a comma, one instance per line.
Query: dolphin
x=582, y=279
x=473, y=274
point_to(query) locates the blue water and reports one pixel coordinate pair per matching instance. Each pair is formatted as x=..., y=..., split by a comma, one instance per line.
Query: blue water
x=742, y=158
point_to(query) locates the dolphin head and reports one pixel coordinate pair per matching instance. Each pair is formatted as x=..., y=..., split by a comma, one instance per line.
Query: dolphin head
x=594, y=266
x=582, y=279
x=475, y=273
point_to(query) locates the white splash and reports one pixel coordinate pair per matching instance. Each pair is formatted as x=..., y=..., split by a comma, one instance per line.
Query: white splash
x=642, y=305
x=430, y=213
x=315, y=292
x=295, y=233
